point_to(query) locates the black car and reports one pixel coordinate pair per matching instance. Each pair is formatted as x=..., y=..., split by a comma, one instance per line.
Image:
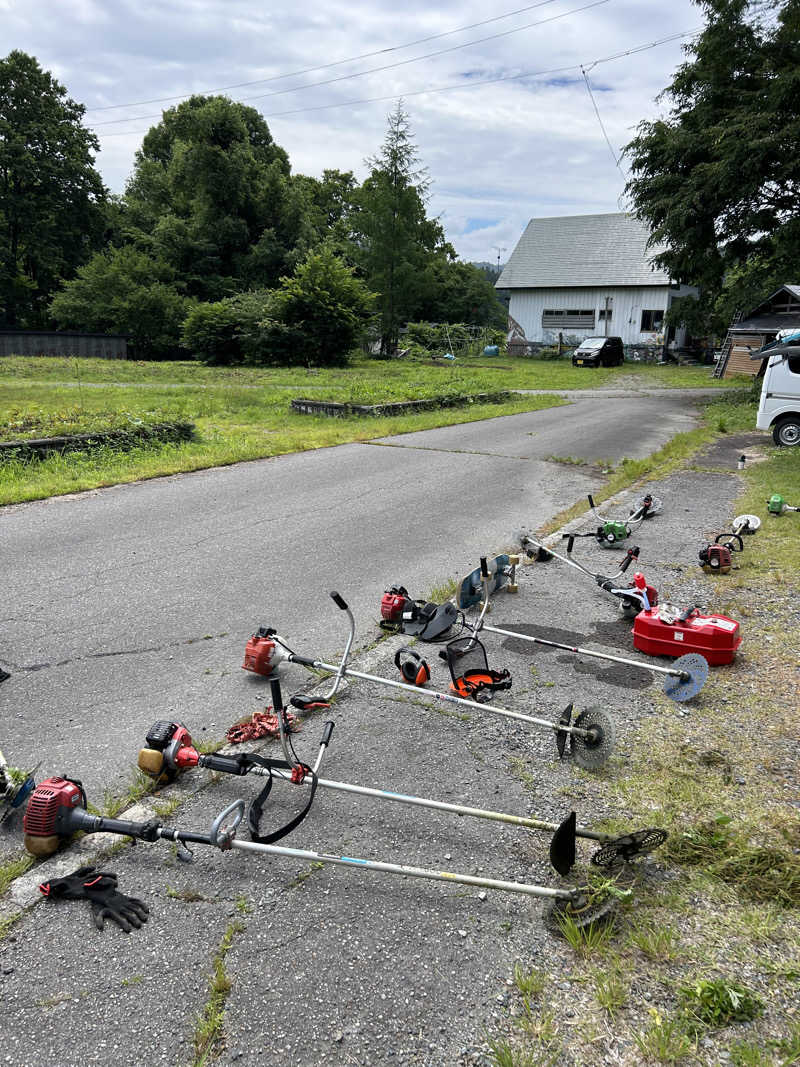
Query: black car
x=599, y=352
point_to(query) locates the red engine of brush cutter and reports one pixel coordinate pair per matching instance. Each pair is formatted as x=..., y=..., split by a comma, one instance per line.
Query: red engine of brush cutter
x=665, y=631
x=53, y=813
x=393, y=603
x=48, y=799
x=715, y=558
x=263, y=653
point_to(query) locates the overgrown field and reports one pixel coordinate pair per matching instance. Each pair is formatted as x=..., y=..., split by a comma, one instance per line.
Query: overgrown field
x=244, y=413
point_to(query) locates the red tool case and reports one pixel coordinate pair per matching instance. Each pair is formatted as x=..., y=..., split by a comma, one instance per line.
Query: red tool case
x=715, y=637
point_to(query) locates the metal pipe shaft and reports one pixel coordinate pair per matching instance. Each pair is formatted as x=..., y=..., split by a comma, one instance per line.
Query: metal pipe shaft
x=437, y=805
x=586, y=652
x=450, y=699
x=405, y=869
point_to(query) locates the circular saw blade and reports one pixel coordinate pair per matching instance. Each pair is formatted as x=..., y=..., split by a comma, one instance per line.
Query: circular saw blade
x=696, y=667
x=746, y=524
x=592, y=752
x=624, y=849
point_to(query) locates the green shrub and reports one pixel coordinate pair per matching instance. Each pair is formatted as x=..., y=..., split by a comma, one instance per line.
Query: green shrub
x=124, y=290
x=225, y=332
x=317, y=316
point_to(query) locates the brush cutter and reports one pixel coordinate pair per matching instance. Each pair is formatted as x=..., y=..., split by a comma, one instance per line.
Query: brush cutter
x=15, y=788
x=591, y=736
x=57, y=809
x=776, y=505
x=178, y=755
x=611, y=532
x=717, y=557
x=684, y=680
x=631, y=598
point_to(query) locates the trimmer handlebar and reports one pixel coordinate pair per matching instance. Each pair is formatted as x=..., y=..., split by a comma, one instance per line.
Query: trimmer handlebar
x=338, y=600
x=484, y=567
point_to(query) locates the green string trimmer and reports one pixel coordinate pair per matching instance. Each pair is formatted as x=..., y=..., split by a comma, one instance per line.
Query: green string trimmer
x=776, y=505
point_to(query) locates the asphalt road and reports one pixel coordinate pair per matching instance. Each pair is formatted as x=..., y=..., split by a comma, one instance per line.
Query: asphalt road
x=131, y=604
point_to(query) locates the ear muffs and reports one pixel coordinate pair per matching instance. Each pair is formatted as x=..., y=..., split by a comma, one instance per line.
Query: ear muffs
x=412, y=666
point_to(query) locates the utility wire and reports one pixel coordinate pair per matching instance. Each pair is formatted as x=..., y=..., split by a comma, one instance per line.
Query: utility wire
x=462, y=85
x=325, y=66
x=599, y=119
x=388, y=66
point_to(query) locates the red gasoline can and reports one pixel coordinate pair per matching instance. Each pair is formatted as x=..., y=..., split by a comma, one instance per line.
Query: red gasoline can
x=666, y=631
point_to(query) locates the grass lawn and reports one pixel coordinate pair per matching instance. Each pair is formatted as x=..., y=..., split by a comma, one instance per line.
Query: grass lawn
x=243, y=413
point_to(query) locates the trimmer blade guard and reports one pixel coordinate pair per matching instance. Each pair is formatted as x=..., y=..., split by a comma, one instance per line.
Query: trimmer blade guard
x=471, y=588
x=562, y=846
x=624, y=849
x=592, y=752
x=430, y=621
x=561, y=733
x=655, y=508
x=695, y=667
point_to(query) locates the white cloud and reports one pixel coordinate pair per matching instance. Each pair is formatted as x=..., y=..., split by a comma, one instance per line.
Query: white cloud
x=497, y=154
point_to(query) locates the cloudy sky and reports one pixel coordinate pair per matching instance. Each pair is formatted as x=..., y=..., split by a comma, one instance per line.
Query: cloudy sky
x=498, y=105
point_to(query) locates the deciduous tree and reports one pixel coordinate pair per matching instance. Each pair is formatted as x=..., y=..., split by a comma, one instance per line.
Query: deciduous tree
x=51, y=197
x=718, y=179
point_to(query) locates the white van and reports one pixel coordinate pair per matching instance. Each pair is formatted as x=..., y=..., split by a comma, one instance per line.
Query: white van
x=779, y=408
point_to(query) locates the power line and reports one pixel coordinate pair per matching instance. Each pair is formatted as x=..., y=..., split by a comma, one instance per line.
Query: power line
x=325, y=66
x=599, y=119
x=388, y=66
x=463, y=85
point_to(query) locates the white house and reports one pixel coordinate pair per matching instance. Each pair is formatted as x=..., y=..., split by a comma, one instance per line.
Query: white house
x=584, y=275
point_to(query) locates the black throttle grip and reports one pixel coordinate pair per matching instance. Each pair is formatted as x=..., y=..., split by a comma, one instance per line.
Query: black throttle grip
x=591, y=501
x=484, y=567
x=304, y=661
x=327, y=732
x=224, y=764
x=338, y=600
x=277, y=697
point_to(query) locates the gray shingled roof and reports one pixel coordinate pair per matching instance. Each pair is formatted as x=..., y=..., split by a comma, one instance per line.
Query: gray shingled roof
x=582, y=250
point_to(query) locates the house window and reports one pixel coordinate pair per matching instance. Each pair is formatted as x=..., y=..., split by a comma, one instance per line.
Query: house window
x=568, y=318
x=604, y=314
x=652, y=321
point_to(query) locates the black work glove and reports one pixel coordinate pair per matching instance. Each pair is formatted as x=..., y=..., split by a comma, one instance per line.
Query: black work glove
x=76, y=886
x=128, y=912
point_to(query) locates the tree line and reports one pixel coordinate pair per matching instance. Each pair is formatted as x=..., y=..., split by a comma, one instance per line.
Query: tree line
x=216, y=247
x=717, y=179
